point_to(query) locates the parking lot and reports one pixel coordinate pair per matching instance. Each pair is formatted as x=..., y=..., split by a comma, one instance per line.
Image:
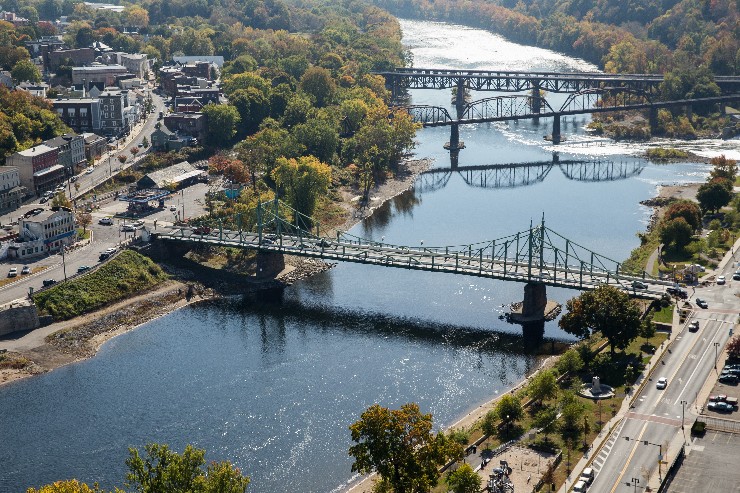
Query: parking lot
x=724, y=389
x=711, y=464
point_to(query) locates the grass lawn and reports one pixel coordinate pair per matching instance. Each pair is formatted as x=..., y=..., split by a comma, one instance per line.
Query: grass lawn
x=664, y=315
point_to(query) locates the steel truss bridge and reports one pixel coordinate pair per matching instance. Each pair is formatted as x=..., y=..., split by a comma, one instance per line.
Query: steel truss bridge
x=401, y=79
x=535, y=255
x=520, y=107
x=514, y=175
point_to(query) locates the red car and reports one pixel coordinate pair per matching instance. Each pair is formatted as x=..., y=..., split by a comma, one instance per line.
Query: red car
x=202, y=230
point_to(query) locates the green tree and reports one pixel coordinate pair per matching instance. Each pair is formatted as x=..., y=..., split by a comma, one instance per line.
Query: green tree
x=508, y=410
x=25, y=70
x=70, y=486
x=83, y=219
x=222, y=121
x=647, y=329
x=571, y=416
x=569, y=363
x=606, y=309
x=318, y=83
x=488, y=425
x=60, y=200
x=400, y=447
x=714, y=195
x=542, y=386
x=676, y=232
x=304, y=180
x=319, y=137
x=464, y=480
x=546, y=420
x=723, y=168
x=163, y=470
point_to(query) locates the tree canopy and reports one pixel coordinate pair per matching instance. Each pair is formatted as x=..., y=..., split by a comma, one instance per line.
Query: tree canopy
x=606, y=309
x=400, y=446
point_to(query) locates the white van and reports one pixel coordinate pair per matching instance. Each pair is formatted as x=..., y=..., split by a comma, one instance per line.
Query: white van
x=587, y=476
x=580, y=487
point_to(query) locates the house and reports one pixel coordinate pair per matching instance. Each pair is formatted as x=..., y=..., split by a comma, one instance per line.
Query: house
x=71, y=152
x=43, y=232
x=11, y=191
x=175, y=177
x=194, y=124
x=135, y=63
x=6, y=79
x=36, y=89
x=164, y=139
x=38, y=168
x=79, y=57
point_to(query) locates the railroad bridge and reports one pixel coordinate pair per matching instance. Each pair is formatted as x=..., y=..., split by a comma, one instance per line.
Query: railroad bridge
x=536, y=256
x=588, y=92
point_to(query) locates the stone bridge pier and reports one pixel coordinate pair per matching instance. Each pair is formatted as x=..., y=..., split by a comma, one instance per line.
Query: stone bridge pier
x=269, y=264
x=535, y=306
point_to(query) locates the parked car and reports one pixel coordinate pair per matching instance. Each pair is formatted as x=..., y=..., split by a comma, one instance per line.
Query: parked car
x=173, y=208
x=89, y=170
x=701, y=303
x=43, y=200
x=25, y=270
x=717, y=398
x=48, y=282
x=83, y=268
x=694, y=326
x=678, y=292
x=732, y=401
x=128, y=228
x=662, y=383
x=13, y=272
x=720, y=407
x=106, y=221
x=720, y=279
x=728, y=378
x=73, y=179
x=138, y=224
x=736, y=276
x=103, y=256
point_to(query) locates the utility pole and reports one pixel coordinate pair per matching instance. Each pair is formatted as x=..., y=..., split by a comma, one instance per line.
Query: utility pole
x=716, y=354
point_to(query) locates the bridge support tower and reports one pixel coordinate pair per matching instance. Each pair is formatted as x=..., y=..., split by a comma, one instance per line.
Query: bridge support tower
x=536, y=99
x=555, y=137
x=269, y=264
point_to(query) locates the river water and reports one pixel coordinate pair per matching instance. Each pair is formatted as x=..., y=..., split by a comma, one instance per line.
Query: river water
x=272, y=387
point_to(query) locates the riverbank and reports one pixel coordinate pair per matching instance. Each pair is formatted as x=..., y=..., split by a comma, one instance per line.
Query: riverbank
x=62, y=343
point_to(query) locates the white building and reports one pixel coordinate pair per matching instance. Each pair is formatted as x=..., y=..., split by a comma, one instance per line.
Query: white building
x=44, y=233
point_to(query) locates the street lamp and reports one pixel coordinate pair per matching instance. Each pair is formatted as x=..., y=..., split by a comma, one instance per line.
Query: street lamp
x=683, y=413
x=716, y=354
x=635, y=481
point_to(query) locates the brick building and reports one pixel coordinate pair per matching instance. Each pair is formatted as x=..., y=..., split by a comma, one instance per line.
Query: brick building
x=38, y=168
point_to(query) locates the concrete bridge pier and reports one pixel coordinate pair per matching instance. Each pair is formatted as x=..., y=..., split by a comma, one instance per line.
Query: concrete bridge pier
x=269, y=264
x=455, y=144
x=653, y=120
x=460, y=98
x=535, y=306
x=555, y=137
x=536, y=99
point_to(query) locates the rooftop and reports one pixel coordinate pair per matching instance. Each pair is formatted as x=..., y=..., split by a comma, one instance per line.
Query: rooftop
x=35, y=150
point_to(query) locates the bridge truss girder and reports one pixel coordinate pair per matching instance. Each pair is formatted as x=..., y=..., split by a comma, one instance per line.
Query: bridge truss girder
x=506, y=106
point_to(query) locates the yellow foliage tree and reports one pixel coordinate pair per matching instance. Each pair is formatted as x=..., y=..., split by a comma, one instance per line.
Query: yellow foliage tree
x=303, y=180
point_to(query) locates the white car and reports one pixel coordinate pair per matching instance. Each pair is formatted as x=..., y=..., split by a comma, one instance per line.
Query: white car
x=662, y=383
x=128, y=227
x=106, y=221
x=89, y=170
x=720, y=279
x=13, y=272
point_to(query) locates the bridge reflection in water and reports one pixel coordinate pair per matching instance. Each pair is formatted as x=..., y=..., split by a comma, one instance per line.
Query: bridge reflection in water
x=524, y=174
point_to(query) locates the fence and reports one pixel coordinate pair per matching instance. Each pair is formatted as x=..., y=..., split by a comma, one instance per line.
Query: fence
x=720, y=424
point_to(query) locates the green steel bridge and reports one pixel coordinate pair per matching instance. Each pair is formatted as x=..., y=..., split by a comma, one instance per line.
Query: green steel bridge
x=537, y=255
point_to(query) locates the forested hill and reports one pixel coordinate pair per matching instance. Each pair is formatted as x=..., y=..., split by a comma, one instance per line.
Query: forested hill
x=636, y=36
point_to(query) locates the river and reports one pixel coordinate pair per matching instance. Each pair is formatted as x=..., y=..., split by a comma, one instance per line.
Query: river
x=272, y=387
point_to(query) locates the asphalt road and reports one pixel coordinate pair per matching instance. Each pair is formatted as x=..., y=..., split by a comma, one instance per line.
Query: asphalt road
x=655, y=420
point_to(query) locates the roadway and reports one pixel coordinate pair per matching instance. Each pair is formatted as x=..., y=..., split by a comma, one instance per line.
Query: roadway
x=653, y=423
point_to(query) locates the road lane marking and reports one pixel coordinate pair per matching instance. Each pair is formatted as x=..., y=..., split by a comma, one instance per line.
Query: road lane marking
x=629, y=458
x=696, y=367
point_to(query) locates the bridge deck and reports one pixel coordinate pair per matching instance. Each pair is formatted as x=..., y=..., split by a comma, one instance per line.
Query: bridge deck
x=427, y=259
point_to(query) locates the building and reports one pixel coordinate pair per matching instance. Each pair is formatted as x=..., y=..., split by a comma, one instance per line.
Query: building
x=38, y=168
x=78, y=56
x=13, y=19
x=177, y=176
x=193, y=124
x=164, y=139
x=113, y=122
x=11, y=191
x=97, y=72
x=71, y=152
x=95, y=146
x=81, y=114
x=37, y=89
x=135, y=63
x=44, y=232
